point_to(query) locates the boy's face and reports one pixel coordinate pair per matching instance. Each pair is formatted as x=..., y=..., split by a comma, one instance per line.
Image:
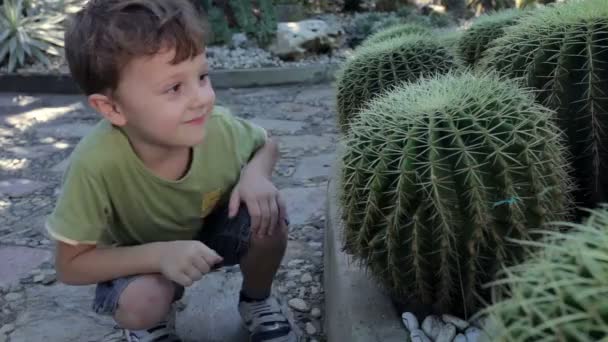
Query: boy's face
x=164, y=104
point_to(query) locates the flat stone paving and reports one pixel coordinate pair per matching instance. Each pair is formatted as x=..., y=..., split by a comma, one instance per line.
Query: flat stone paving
x=37, y=134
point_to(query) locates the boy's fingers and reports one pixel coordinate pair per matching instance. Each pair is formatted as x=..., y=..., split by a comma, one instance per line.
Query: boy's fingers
x=274, y=215
x=254, y=213
x=282, y=208
x=235, y=201
x=183, y=279
x=264, y=217
x=202, y=265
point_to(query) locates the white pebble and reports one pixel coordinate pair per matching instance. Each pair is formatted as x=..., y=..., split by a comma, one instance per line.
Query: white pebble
x=460, y=338
x=410, y=321
x=298, y=304
x=314, y=290
x=316, y=312
x=13, y=296
x=446, y=333
x=7, y=329
x=306, y=278
x=459, y=323
x=418, y=335
x=472, y=334
x=291, y=284
x=431, y=326
x=310, y=329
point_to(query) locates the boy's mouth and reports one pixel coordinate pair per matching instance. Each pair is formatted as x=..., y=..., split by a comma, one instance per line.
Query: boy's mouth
x=198, y=121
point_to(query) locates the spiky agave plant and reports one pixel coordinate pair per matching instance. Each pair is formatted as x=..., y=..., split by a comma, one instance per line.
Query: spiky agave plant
x=485, y=29
x=437, y=175
x=379, y=67
x=562, y=52
x=24, y=38
x=396, y=31
x=561, y=292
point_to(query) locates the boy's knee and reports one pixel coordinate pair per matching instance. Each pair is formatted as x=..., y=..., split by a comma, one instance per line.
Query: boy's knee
x=145, y=302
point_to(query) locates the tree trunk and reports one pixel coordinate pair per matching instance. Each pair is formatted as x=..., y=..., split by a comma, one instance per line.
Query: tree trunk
x=456, y=7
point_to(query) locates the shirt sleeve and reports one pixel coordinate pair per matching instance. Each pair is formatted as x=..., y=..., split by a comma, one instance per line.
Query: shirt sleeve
x=247, y=137
x=82, y=211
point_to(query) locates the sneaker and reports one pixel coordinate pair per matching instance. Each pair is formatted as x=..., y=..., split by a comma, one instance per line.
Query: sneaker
x=265, y=321
x=160, y=333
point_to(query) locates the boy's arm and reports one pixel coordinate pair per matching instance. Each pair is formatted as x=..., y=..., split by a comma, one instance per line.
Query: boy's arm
x=257, y=191
x=181, y=261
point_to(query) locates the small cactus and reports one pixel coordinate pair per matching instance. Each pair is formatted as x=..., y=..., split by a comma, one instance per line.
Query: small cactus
x=485, y=29
x=561, y=292
x=561, y=52
x=436, y=176
x=379, y=67
x=396, y=31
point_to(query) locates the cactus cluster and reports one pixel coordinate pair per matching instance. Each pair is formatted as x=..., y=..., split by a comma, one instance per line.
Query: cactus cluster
x=485, y=29
x=561, y=292
x=562, y=53
x=240, y=15
x=379, y=67
x=437, y=175
x=396, y=31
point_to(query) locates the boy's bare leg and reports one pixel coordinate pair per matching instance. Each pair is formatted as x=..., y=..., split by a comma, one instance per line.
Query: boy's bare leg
x=145, y=302
x=262, y=261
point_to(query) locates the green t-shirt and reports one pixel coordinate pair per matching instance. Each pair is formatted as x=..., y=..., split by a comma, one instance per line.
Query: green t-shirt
x=109, y=197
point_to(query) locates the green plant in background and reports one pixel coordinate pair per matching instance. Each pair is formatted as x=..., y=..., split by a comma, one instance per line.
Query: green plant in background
x=377, y=68
x=26, y=39
x=256, y=19
x=438, y=174
x=485, y=29
x=561, y=292
x=396, y=31
x=561, y=51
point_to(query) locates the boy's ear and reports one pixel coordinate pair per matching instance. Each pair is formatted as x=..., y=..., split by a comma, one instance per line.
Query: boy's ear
x=108, y=108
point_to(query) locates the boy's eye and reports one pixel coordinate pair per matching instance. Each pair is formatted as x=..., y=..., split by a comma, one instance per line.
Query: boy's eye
x=174, y=88
x=203, y=76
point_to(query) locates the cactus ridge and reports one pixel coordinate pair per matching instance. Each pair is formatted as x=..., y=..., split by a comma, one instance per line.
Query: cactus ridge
x=560, y=292
x=476, y=39
x=380, y=67
x=395, y=32
x=562, y=52
x=424, y=166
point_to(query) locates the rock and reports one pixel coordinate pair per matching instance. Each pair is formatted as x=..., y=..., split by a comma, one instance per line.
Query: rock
x=295, y=262
x=295, y=40
x=7, y=329
x=39, y=278
x=418, y=335
x=18, y=187
x=460, y=338
x=306, y=278
x=302, y=292
x=294, y=273
x=459, y=323
x=472, y=334
x=49, y=278
x=316, y=312
x=431, y=326
x=310, y=329
x=298, y=304
x=446, y=333
x=317, y=254
x=282, y=289
x=13, y=296
x=239, y=40
x=314, y=290
x=3, y=338
x=410, y=321
x=291, y=284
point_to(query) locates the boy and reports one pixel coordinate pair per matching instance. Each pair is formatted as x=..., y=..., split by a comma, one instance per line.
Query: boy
x=130, y=215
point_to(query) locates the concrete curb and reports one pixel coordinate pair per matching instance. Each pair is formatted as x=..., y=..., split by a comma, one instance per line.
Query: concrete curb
x=221, y=79
x=357, y=310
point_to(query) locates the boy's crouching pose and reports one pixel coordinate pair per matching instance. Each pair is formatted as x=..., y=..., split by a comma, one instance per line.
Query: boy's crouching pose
x=167, y=186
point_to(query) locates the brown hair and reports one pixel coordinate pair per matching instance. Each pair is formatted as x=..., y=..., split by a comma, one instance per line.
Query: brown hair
x=106, y=34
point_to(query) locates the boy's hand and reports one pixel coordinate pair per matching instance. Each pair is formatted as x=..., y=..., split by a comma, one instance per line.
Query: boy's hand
x=265, y=205
x=185, y=262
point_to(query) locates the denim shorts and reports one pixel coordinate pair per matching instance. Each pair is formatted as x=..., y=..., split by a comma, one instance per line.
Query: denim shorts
x=228, y=237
